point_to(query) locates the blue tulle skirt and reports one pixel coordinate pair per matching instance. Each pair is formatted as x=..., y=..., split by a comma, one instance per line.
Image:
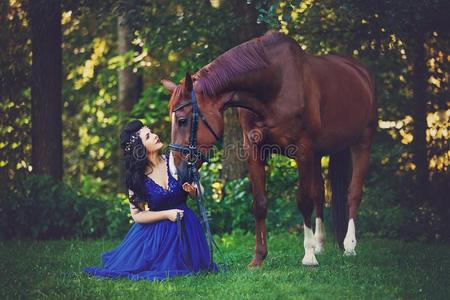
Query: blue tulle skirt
x=158, y=251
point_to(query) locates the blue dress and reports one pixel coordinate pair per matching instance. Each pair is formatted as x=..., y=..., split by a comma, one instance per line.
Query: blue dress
x=157, y=251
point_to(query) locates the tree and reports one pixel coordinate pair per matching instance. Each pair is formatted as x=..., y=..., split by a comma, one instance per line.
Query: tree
x=47, y=155
x=130, y=83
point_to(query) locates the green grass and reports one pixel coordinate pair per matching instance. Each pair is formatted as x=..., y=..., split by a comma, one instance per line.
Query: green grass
x=383, y=269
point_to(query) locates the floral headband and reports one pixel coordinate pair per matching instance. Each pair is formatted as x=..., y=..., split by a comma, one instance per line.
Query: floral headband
x=133, y=138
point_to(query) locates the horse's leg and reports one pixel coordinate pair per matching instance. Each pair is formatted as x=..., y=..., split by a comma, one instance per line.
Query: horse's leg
x=319, y=200
x=308, y=191
x=360, y=163
x=258, y=179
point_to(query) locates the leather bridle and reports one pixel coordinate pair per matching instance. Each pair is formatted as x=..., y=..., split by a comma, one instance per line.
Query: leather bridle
x=192, y=154
x=191, y=151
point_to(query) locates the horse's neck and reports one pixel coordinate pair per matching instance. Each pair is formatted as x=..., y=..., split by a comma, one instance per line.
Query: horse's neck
x=248, y=101
x=252, y=91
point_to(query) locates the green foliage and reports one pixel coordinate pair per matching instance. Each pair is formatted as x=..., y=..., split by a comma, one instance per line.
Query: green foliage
x=182, y=31
x=91, y=115
x=229, y=205
x=39, y=208
x=282, y=188
x=153, y=108
x=15, y=100
x=381, y=212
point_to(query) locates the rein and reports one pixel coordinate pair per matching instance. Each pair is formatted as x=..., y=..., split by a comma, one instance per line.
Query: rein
x=193, y=154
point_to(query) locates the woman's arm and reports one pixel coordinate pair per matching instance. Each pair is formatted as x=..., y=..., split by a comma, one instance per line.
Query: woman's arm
x=147, y=216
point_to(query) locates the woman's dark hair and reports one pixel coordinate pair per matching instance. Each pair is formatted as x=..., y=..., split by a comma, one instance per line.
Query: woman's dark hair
x=135, y=161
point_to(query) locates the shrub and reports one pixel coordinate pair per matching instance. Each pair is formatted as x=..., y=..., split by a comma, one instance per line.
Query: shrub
x=38, y=207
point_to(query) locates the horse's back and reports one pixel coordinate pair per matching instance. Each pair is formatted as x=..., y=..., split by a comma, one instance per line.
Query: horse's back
x=344, y=79
x=352, y=64
x=346, y=98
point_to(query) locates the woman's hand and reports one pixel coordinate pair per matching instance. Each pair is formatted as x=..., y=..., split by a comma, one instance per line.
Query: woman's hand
x=190, y=188
x=172, y=214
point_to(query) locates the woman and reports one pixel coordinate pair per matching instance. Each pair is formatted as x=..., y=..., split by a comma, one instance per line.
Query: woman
x=166, y=239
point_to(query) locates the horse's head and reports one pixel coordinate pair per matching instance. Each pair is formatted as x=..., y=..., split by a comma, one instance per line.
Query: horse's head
x=210, y=120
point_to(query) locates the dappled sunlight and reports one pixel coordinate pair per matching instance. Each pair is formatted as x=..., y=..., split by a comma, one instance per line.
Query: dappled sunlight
x=217, y=191
x=438, y=129
x=85, y=72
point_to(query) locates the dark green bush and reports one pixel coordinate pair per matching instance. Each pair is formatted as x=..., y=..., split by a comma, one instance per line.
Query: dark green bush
x=38, y=207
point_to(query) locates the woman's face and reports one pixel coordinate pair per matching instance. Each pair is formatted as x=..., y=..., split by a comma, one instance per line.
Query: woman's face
x=150, y=140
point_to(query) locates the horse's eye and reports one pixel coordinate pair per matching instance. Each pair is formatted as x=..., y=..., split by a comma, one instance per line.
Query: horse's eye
x=182, y=122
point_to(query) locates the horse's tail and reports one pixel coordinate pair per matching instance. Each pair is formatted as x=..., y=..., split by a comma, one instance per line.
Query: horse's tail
x=340, y=170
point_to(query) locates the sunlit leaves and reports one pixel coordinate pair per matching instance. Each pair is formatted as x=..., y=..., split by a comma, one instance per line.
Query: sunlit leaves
x=83, y=73
x=15, y=104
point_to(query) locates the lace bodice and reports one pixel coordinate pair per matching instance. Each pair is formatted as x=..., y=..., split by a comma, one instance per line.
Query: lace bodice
x=160, y=198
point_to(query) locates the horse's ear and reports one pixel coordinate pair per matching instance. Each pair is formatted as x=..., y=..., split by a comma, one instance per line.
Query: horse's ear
x=169, y=85
x=188, y=82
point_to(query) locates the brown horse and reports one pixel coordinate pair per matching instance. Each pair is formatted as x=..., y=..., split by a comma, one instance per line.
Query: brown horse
x=306, y=106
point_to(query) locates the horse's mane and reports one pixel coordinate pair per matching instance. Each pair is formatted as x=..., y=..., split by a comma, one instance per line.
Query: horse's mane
x=246, y=57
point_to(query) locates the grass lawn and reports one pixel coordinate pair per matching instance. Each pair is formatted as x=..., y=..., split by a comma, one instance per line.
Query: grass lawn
x=382, y=269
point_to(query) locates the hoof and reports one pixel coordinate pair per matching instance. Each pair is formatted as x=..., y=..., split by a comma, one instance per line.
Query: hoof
x=309, y=243
x=350, y=240
x=351, y=252
x=255, y=263
x=349, y=247
x=310, y=261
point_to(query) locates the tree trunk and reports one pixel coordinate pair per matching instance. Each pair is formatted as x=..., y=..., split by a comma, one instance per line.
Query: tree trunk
x=130, y=85
x=46, y=73
x=234, y=167
x=419, y=81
